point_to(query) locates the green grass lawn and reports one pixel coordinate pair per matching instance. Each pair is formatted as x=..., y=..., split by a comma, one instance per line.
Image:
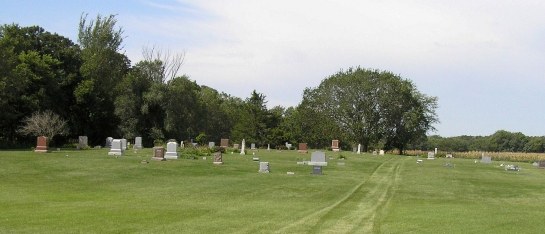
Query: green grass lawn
x=89, y=191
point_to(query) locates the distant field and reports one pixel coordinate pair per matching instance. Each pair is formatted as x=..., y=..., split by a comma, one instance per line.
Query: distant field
x=88, y=191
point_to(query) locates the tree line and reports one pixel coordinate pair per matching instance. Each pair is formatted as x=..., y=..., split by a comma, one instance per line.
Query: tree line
x=93, y=86
x=500, y=141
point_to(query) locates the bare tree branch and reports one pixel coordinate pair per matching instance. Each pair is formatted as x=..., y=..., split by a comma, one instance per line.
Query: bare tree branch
x=45, y=123
x=172, y=62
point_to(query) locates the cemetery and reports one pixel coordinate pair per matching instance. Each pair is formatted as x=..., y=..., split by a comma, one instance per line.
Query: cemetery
x=323, y=191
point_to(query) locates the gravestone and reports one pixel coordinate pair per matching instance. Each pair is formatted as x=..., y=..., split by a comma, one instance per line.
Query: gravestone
x=138, y=143
x=182, y=144
x=359, y=149
x=268, y=147
x=303, y=148
x=264, y=167
x=235, y=146
x=218, y=158
x=435, y=151
x=82, y=142
x=449, y=156
x=252, y=146
x=381, y=152
x=224, y=143
x=171, y=150
x=374, y=152
x=115, y=148
x=243, y=147
x=486, y=159
x=108, y=142
x=541, y=164
x=317, y=161
x=431, y=155
x=211, y=144
x=123, y=144
x=159, y=153
x=41, y=144
x=335, y=145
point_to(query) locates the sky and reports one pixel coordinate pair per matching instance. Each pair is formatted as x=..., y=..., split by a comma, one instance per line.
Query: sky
x=484, y=60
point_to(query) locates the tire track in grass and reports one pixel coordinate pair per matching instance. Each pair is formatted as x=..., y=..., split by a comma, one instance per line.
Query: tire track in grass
x=356, y=210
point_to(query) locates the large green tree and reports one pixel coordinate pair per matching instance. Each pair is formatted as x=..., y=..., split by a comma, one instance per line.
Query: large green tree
x=369, y=107
x=102, y=70
x=39, y=72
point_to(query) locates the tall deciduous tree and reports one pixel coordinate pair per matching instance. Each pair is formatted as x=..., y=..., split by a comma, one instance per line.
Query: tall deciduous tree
x=39, y=71
x=368, y=107
x=102, y=70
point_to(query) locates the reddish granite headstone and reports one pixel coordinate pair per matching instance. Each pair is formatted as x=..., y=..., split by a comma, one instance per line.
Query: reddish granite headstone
x=41, y=145
x=159, y=153
x=335, y=145
x=224, y=143
x=303, y=148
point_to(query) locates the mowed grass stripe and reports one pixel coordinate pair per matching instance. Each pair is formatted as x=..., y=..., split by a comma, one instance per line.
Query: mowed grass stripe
x=355, y=211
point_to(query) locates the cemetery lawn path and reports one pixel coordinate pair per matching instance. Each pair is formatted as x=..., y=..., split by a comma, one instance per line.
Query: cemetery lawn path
x=360, y=210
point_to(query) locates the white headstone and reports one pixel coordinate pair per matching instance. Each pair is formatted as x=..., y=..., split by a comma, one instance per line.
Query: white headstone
x=182, y=144
x=431, y=155
x=115, y=148
x=268, y=146
x=486, y=159
x=171, y=150
x=108, y=142
x=435, y=151
x=359, y=148
x=264, y=167
x=243, y=147
x=123, y=144
x=211, y=144
x=138, y=143
x=252, y=146
x=381, y=152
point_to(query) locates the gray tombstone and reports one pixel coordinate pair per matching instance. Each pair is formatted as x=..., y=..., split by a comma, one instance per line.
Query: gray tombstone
x=211, y=144
x=171, y=150
x=317, y=161
x=374, y=152
x=138, y=143
x=486, y=159
x=218, y=159
x=123, y=144
x=252, y=146
x=431, y=155
x=82, y=142
x=264, y=167
x=108, y=142
x=116, y=148
x=541, y=164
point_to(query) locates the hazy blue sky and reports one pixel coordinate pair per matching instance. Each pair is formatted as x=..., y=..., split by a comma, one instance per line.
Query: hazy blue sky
x=484, y=60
